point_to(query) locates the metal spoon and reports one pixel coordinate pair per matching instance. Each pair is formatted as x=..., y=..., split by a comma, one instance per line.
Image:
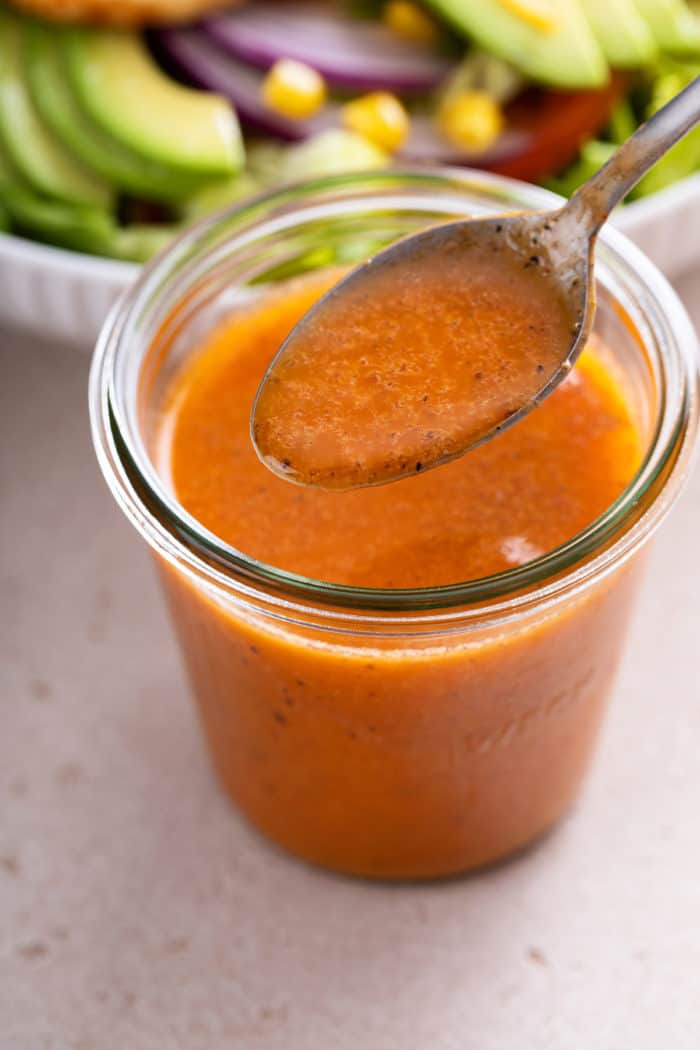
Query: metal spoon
x=344, y=404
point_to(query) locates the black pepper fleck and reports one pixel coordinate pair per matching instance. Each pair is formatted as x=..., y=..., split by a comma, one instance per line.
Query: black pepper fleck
x=33, y=950
x=536, y=955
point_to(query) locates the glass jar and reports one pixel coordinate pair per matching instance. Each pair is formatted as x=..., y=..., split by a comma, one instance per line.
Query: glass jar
x=406, y=733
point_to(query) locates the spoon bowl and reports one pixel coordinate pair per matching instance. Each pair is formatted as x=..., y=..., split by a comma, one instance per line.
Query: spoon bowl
x=448, y=336
x=400, y=414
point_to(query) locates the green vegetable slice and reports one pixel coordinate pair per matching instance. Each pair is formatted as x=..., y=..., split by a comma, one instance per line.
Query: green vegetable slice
x=40, y=158
x=59, y=108
x=567, y=56
x=123, y=90
x=675, y=26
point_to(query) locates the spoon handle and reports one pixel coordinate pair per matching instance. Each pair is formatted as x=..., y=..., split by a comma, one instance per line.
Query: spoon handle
x=593, y=202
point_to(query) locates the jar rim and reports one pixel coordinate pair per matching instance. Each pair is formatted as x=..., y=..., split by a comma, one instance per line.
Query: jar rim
x=595, y=551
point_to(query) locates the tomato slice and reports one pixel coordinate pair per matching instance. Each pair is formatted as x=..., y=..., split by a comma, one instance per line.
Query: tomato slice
x=543, y=134
x=547, y=128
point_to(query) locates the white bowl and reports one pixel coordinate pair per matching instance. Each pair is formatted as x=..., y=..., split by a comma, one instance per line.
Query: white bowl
x=55, y=294
x=666, y=226
x=65, y=296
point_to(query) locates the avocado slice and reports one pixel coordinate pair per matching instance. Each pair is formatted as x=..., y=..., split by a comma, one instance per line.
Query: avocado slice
x=120, y=86
x=81, y=228
x=566, y=56
x=35, y=152
x=623, y=34
x=6, y=181
x=675, y=27
x=8, y=174
x=58, y=106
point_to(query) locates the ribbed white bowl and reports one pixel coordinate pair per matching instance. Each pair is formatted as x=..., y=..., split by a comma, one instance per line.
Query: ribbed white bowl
x=666, y=226
x=57, y=294
x=65, y=296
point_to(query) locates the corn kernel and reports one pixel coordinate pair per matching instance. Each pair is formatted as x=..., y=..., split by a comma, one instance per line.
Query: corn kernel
x=471, y=119
x=540, y=14
x=380, y=117
x=406, y=19
x=294, y=89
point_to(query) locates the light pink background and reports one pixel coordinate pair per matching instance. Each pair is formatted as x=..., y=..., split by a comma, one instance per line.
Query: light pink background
x=138, y=912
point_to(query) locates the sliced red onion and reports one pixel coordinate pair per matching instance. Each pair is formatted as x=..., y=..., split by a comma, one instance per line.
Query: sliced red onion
x=426, y=145
x=348, y=52
x=207, y=65
x=204, y=63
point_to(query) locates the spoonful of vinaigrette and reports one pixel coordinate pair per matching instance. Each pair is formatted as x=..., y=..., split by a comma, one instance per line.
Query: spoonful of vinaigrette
x=446, y=337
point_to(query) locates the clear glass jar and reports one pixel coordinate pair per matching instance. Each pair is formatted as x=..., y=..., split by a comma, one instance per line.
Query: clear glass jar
x=407, y=733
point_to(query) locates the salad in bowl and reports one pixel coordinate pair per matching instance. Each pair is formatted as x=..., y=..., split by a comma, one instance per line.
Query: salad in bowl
x=114, y=137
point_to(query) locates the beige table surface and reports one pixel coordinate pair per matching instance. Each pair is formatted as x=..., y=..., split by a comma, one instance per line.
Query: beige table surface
x=137, y=911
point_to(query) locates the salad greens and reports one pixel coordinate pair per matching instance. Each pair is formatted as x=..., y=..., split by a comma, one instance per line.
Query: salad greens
x=657, y=87
x=111, y=142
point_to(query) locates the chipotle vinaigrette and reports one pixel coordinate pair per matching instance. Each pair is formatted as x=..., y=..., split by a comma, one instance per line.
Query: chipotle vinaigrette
x=382, y=751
